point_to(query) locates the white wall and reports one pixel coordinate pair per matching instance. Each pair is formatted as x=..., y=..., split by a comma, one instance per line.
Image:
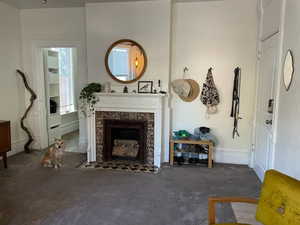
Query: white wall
x=147, y=22
x=288, y=143
x=53, y=27
x=222, y=35
x=11, y=86
x=271, y=16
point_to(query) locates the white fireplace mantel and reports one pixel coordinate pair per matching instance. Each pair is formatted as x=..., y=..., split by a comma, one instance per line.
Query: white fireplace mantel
x=131, y=102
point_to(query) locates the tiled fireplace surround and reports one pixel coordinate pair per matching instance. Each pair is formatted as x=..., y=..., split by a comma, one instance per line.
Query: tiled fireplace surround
x=131, y=106
x=101, y=116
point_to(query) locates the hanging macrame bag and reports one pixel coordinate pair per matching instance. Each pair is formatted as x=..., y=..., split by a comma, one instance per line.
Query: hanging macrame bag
x=209, y=95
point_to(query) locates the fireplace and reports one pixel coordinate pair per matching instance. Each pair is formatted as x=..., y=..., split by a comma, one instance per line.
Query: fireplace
x=124, y=140
x=125, y=136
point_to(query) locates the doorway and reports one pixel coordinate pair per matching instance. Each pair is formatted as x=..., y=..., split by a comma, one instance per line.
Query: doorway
x=62, y=120
x=265, y=108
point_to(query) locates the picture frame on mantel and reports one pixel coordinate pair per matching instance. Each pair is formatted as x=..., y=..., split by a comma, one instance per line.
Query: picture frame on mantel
x=145, y=87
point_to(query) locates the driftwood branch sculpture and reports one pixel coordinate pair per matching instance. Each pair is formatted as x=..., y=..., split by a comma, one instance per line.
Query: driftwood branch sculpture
x=32, y=99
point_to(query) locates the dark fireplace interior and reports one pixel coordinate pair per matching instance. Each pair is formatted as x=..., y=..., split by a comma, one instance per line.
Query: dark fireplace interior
x=124, y=140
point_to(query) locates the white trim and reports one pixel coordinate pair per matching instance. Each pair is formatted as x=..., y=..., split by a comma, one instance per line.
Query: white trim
x=278, y=84
x=39, y=83
x=259, y=171
x=260, y=11
x=16, y=147
x=69, y=127
x=232, y=156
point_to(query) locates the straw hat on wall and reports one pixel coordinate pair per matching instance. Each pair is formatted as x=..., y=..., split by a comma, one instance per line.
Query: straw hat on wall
x=187, y=89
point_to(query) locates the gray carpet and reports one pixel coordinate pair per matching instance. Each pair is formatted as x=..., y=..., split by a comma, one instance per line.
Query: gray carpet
x=31, y=195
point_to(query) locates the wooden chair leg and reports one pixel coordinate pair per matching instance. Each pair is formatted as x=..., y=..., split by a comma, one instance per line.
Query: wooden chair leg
x=210, y=155
x=4, y=157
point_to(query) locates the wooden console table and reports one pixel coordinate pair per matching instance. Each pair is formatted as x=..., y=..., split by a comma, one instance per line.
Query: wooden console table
x=5, y=142
x=192, y=142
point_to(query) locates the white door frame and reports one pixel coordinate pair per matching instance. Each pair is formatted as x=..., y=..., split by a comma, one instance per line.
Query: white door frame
x=38, y=79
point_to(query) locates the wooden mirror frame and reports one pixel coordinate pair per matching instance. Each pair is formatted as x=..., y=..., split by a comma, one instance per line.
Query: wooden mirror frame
x=107, y=55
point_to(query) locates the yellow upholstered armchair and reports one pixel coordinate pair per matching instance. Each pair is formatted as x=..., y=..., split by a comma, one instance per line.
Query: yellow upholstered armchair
x=279, y=202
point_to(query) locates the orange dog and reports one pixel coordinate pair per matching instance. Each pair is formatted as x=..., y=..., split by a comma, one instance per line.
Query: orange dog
x=53, y=157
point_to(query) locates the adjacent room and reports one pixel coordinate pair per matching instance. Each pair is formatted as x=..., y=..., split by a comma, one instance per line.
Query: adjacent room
x=130, y=112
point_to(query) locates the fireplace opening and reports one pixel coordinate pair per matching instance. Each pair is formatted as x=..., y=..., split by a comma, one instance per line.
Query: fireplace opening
x=124, y=140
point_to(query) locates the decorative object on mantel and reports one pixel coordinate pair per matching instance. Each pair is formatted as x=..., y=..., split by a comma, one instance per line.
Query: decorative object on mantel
x=187, y=89
x=107, y=87
x=87, y=98
x=145, y=87
x=210, y=96
x=288, y=70
x=235, y=109
x=33, y=97
x=159, y=85
x=125, y=90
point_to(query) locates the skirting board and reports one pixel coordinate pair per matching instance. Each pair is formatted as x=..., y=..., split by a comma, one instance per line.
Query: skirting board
x=232, y=156
x=17, y=147
x=69, y=127
x=260, y=172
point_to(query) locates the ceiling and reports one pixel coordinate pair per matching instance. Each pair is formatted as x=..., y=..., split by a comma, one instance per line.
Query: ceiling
x=32, y=4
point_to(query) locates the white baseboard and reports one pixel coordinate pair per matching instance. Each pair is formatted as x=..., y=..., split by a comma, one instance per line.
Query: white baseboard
x=69, y=127
x=260, y=172
x=16, y=147
x=232, y=156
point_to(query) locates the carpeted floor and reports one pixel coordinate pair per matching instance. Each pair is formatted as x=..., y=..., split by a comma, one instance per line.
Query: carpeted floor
x=31, y=195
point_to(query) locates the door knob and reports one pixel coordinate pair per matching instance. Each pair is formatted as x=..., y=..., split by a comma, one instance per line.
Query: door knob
x=269, y=122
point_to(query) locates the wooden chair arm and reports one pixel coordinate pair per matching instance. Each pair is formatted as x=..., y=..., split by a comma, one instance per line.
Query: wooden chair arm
x=213, y=200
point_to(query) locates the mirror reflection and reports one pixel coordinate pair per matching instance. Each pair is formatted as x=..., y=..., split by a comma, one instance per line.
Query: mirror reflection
x=125, y=61
x=288, y=69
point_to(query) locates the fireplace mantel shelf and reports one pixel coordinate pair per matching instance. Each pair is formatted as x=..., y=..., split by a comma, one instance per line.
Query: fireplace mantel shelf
x=117, y=94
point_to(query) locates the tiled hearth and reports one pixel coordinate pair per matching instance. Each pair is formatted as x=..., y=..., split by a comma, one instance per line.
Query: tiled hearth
x=148, y=118
x=129, y=166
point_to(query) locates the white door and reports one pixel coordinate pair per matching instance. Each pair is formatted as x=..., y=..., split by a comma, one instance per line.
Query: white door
x=264, y=152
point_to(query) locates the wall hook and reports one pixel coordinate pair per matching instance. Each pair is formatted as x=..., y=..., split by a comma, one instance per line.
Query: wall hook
x=185, y=69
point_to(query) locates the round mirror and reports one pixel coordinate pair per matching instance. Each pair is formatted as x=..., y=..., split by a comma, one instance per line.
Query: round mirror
x=125, y=61
x=288, y=69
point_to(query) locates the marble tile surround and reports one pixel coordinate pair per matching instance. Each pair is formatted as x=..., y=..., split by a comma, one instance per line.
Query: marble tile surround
x=100, y=116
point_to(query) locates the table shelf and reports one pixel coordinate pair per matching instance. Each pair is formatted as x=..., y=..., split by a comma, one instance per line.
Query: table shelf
x=192, y=142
